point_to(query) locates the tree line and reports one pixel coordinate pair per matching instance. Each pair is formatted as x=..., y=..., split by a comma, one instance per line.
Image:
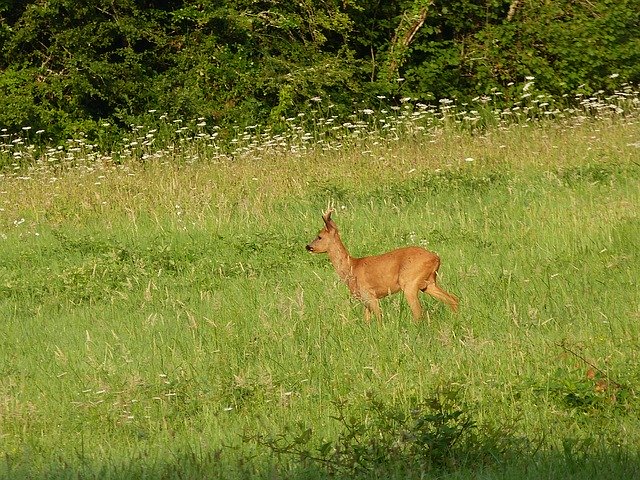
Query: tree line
x=68, y=65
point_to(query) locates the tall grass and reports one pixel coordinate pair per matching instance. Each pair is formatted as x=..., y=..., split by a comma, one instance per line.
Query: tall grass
x=160, y=318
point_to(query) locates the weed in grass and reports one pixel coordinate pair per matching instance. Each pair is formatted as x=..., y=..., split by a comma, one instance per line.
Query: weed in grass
x=587, y=390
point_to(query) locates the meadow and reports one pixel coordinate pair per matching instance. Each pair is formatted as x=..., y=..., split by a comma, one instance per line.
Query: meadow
x=162, y=319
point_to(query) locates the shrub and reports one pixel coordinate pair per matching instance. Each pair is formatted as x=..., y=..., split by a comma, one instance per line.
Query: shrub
x=435, y=434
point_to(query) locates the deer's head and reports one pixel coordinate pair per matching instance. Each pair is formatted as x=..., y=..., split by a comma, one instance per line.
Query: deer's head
x=326, y=237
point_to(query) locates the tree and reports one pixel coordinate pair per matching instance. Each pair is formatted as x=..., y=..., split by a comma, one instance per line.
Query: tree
x=68, y=65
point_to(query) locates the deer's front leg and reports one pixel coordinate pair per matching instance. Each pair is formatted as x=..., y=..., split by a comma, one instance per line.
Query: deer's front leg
x=371, y=304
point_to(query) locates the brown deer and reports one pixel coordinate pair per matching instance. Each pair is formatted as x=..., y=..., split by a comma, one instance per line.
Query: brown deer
x=410, y=269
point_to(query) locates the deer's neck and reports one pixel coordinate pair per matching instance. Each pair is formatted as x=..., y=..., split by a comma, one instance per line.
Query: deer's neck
x=341, y=261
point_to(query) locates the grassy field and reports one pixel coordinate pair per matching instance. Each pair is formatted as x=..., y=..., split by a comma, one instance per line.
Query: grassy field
x=161, y=319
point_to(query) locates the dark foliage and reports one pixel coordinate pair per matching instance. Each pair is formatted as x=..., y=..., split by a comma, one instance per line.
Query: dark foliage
x=438, y=434
x=68, y=65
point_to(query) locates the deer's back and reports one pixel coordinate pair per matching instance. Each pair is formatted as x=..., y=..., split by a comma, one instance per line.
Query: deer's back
x=400, y=256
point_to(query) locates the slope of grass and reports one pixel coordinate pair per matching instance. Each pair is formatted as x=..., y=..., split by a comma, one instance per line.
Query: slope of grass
x=164, y=320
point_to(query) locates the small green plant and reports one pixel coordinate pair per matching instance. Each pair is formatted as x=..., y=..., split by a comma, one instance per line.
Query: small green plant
x=435, y=434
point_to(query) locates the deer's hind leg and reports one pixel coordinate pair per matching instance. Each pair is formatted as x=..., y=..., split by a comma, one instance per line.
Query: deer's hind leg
x=411, y=294
x=435, y=291
x=420, y=283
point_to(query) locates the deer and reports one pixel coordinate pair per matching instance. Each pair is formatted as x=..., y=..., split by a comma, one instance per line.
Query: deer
x=410, y=269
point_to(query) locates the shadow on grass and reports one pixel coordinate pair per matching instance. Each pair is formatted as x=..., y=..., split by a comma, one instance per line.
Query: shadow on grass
x=436, y=437
x=571, y=461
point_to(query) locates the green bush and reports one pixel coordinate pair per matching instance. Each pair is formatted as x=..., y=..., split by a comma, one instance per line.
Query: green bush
x=377, y=438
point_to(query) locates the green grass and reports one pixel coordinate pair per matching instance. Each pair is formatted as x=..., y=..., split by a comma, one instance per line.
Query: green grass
x=159, y=318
